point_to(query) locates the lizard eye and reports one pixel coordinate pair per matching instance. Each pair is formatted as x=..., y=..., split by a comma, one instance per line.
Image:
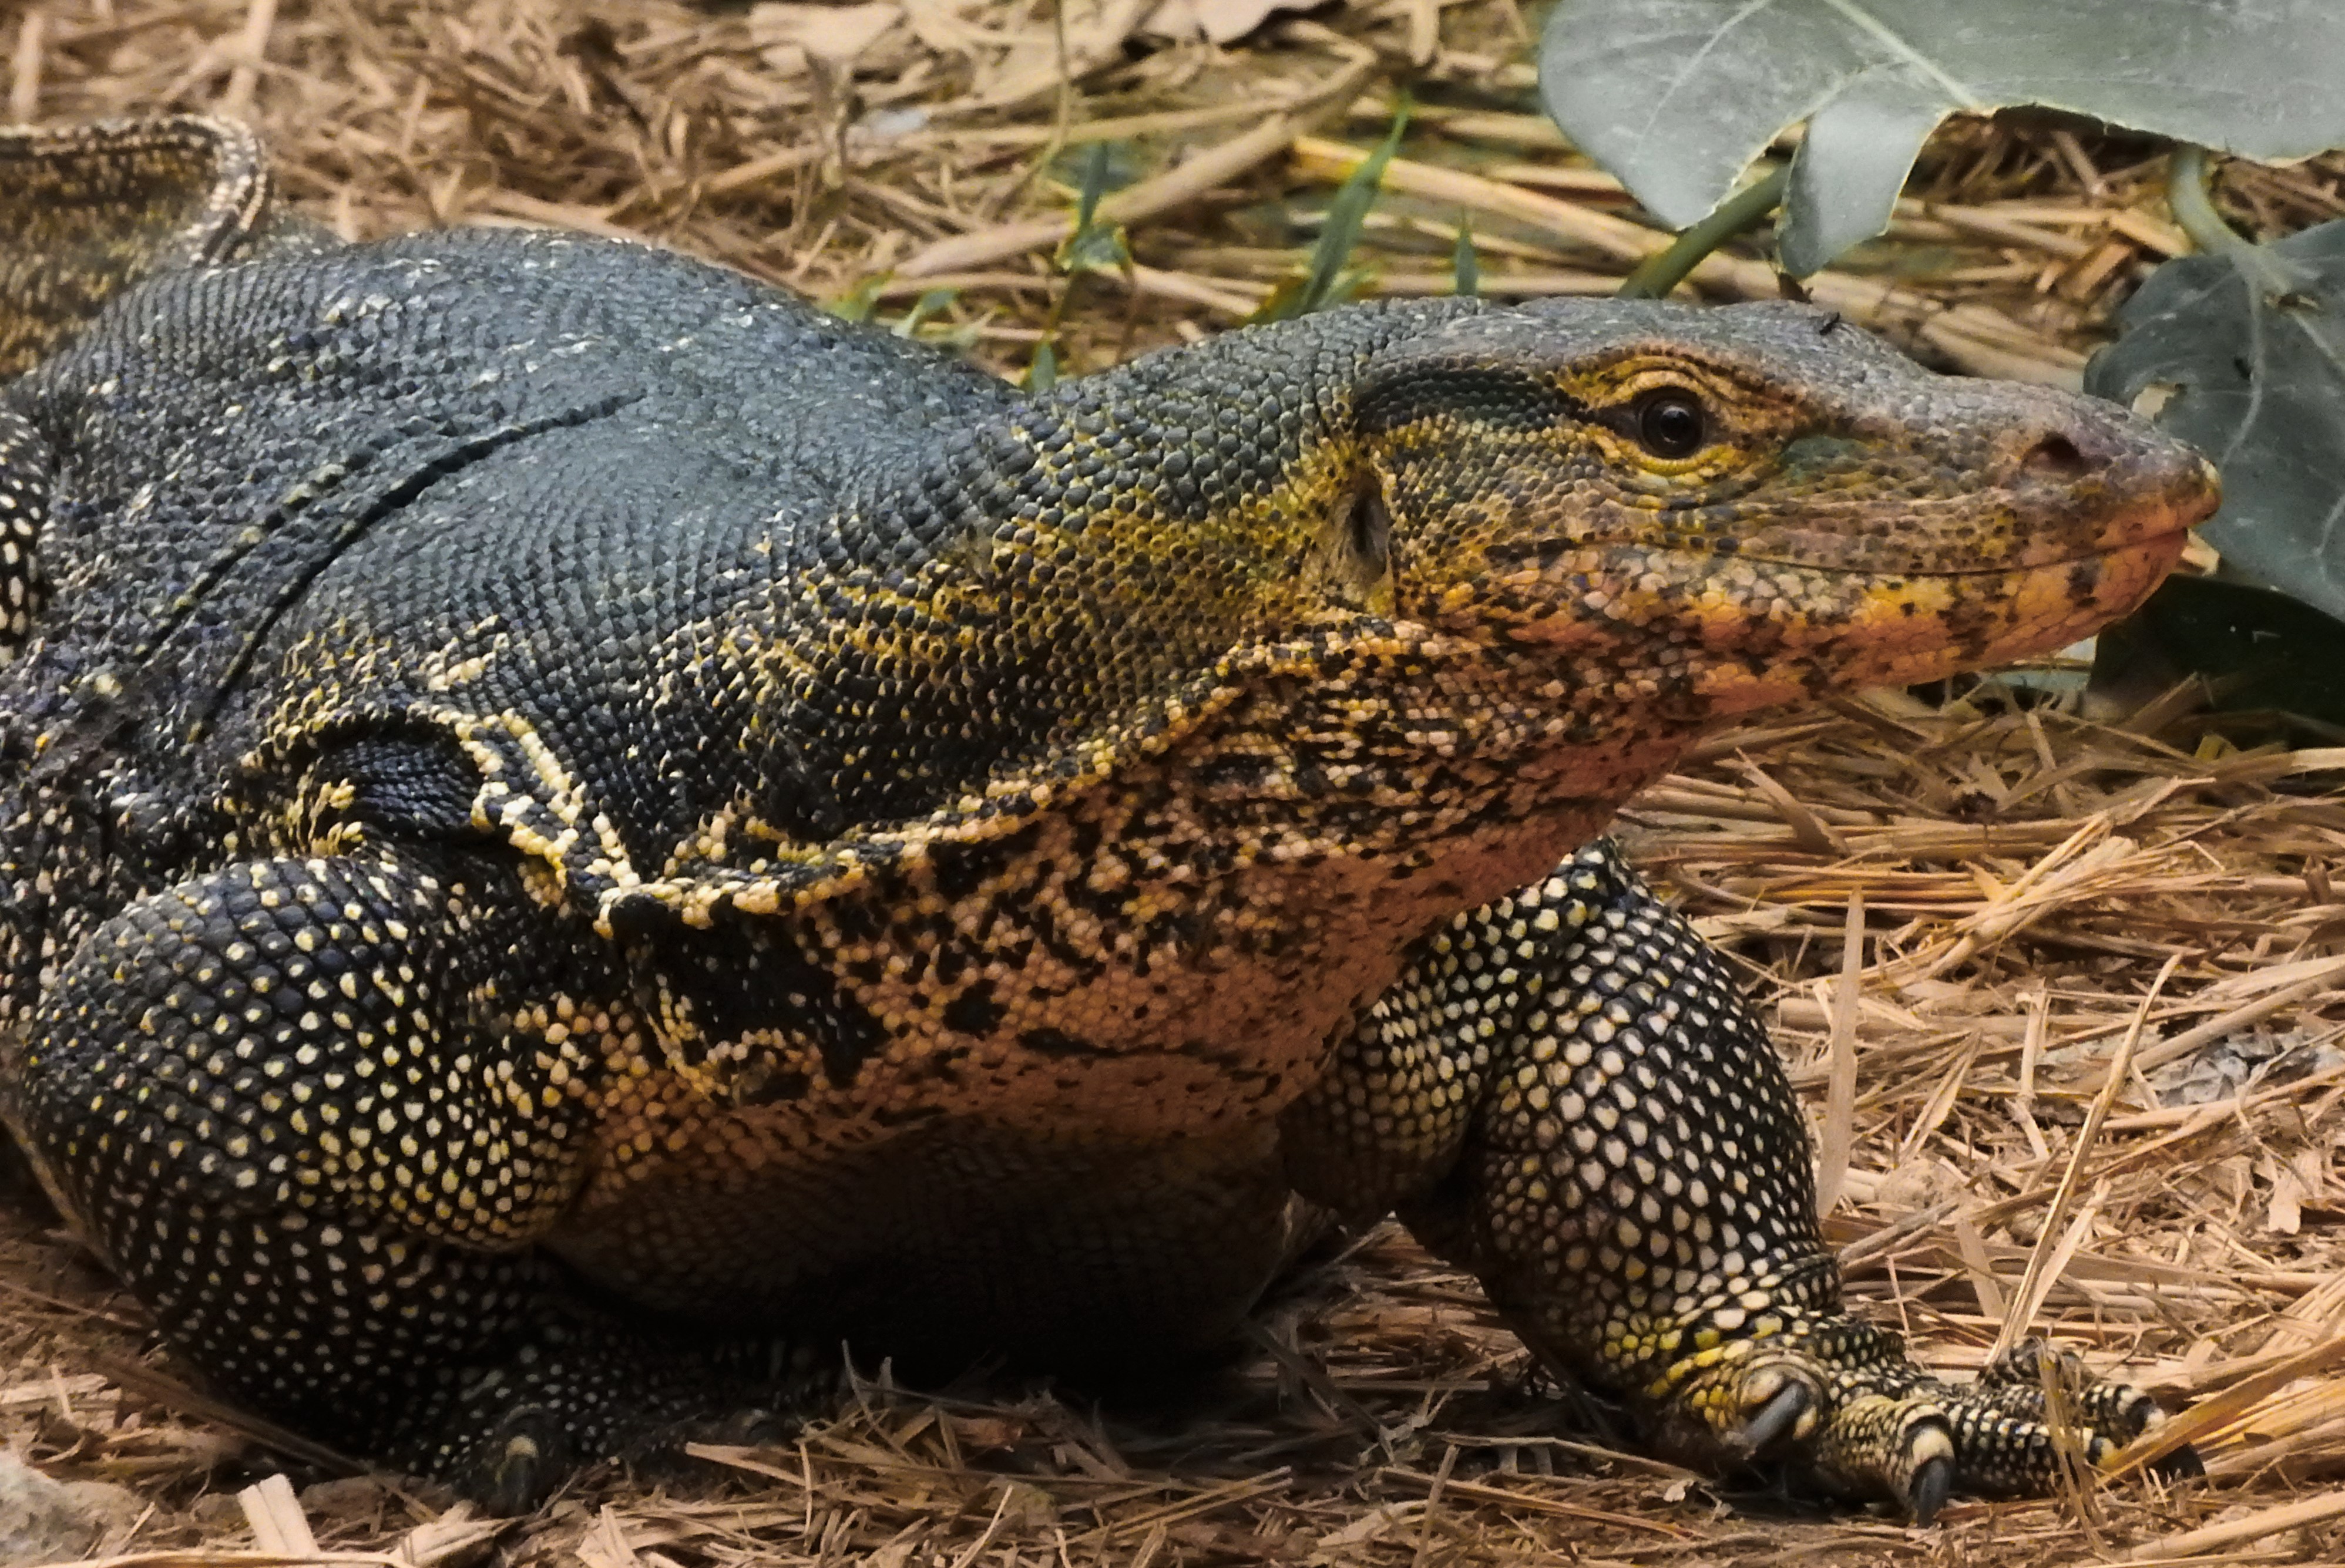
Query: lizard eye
x=1670, y=424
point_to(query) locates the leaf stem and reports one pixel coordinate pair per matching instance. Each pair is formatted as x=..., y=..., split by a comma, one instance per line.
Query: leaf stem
x=2194, y=209
x=1665, y=270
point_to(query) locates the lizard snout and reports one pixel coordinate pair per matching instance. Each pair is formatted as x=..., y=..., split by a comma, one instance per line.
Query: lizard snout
x=2093, y=466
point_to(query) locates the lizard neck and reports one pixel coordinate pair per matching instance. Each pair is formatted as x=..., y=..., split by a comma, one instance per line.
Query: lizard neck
x=1070, y=570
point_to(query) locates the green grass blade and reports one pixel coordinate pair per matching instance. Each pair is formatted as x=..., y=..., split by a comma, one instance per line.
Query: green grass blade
x=1346, y=216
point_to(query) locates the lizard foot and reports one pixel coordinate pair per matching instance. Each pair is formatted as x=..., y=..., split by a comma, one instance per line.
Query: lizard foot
x=514, y=1435
x=1838, y=1402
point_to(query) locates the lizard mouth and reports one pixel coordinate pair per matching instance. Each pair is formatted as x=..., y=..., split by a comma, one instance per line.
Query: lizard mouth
x=1547, y=554
x=2173, y=538
x=1874, y=627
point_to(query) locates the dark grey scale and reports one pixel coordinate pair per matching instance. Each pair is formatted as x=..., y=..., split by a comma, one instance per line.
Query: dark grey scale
x=24, y=504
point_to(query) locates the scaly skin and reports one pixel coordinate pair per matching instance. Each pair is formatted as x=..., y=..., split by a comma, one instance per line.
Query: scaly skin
x=90, y=210
x=573, y=825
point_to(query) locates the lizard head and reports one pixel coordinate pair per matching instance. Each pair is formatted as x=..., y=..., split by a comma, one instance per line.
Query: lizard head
x=1762, y=498
x=1626, y=518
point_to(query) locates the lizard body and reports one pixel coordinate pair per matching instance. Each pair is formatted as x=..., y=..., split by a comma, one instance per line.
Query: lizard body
x=570, y=820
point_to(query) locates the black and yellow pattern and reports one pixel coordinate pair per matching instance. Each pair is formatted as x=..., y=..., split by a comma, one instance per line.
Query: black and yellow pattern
x=574, y=828
x=87, y=211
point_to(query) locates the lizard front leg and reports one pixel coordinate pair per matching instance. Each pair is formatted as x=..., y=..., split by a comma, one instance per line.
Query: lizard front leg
x=1566, y=1094
x=297, y=1107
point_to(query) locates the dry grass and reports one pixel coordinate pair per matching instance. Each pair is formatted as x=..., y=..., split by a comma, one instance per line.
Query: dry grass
x=2036, y=895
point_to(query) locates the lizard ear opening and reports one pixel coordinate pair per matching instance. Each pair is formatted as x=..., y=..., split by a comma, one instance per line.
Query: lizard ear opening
x=1366, y=537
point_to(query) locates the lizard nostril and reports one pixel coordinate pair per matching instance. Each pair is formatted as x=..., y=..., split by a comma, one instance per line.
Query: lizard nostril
x=2054, y=456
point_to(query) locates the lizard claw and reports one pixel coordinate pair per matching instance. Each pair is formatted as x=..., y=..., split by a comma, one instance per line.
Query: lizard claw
x=525, y=1457
x=757, y=1427
x=1789, y=1401
x=1927, y=1488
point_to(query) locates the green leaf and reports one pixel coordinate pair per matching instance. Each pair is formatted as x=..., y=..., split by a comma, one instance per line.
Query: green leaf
x=1465, y=264
x=1678, y=96
x=1289, y=296
x=1098, y=164
x=1095, y=247
x=857, y=303
x=2245, y=348
x=1283, y=302
x=2258, y=650
x=1042, y=374
x=926, y=305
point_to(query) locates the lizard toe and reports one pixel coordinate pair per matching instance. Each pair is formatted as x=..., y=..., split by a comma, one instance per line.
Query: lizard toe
x=1916, y=1438
x=1905, y=1448
x=750, y=1426
x=2018, y=1380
